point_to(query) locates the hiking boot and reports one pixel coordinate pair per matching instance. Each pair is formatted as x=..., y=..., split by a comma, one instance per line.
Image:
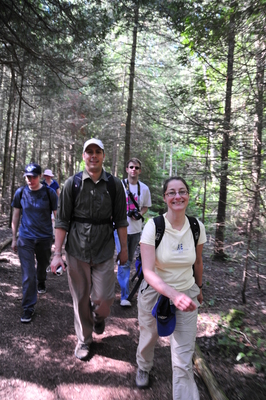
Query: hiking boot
x=82, y=351
x=27, y=316
x=142, y=379
x=99, y=327
x=125, y=303
x=41, y=287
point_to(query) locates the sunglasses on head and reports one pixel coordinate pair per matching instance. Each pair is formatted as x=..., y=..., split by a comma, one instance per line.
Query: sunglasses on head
x=133, y=166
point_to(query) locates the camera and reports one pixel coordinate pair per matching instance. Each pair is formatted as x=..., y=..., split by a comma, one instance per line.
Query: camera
x=135, y=214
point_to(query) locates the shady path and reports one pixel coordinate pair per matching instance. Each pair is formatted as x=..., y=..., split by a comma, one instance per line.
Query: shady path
x=38, y=362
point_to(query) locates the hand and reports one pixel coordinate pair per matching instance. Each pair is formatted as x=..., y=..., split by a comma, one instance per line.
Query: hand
x=200, y=297
x=14, y=245
x=122, y=257
x=137, y=216
x=183, y=302
x=56, y=262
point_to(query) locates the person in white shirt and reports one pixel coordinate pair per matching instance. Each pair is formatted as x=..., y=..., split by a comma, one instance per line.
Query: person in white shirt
x=138, y=200
x=168, y=271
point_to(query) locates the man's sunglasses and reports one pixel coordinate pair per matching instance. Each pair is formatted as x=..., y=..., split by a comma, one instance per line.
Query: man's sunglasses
x=133, y=166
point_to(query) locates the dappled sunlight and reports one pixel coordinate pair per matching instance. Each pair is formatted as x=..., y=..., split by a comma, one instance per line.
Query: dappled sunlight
x=207, y=324
x=246, y=369
x=89, y=391
x=20, y=389
x=12, y=294
x=12, y=257
x=106, y=364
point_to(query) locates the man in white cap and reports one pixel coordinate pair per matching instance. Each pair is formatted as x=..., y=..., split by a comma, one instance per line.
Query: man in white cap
x=90, y=203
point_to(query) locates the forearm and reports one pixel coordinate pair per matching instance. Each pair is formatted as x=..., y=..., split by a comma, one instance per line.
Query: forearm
x=154, y=280
x=15, y=222
x=60, y=235
x=198, y=272
x=143, y=210
x=123, y=255
x=122, y=234
x=198, y=265
x=57, y=260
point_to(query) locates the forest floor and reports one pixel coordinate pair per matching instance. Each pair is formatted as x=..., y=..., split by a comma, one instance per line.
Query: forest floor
x=38, y=362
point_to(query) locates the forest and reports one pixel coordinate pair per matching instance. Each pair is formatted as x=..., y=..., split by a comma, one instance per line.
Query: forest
x=178, y=84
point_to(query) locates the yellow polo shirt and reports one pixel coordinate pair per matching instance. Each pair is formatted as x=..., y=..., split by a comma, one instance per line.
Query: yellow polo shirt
x=176, y=253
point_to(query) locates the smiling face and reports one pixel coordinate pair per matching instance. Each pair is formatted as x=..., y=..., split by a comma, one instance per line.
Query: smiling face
x=176, y=195
x=94, y=158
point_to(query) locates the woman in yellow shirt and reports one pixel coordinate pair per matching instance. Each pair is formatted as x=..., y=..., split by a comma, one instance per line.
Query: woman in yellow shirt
x=168, y=271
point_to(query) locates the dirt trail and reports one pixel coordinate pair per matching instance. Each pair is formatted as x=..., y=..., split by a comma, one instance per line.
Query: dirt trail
x=38, y=362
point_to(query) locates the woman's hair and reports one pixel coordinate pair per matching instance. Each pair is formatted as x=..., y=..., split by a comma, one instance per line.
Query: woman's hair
x=174, y=178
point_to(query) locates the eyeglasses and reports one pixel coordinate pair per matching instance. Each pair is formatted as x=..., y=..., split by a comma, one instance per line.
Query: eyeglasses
x=173, y=193
x=133, y=166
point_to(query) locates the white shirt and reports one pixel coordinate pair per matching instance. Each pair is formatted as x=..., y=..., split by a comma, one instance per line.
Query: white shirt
x=144, y=200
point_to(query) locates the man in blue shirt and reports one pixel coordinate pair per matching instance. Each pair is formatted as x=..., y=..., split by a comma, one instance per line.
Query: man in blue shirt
x=35, y=202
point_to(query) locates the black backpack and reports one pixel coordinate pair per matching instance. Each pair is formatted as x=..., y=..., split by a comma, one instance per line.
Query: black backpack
x=160, y=228
x=76, y=186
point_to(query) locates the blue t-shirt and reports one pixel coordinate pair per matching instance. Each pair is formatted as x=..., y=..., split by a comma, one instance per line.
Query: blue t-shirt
x=54, y=185
x=36, y=212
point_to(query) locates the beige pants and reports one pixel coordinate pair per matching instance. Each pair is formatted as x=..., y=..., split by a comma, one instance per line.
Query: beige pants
x=182, y=341
x=93, y=290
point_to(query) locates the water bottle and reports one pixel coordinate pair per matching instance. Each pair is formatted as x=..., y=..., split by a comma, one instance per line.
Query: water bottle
x=59, y=270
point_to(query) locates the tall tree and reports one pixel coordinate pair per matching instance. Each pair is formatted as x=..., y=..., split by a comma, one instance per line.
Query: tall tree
x=221, y=213
x=131, y=87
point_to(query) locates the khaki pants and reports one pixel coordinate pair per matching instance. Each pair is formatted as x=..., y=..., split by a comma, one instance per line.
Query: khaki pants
x=93, y=290
x=182, y=341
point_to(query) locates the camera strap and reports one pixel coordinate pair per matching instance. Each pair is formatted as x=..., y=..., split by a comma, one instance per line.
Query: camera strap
x=126, y=184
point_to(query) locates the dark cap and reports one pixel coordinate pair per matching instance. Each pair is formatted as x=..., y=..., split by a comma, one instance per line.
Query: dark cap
x=164, y=312
x=32, y=169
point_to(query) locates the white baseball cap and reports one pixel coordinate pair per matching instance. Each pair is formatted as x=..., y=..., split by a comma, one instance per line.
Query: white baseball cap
x=98, y=142
x=48, y=172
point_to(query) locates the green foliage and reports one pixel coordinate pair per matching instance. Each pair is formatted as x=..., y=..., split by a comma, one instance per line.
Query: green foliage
x=235, y=318
x=246, y=344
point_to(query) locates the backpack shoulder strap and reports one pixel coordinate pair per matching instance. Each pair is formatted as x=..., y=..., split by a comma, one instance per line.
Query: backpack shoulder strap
x=21, y=192
x=76, y=185
x=194, y=225
x=49, y=197
x=160, y=228
x=124, y=183
x=111, y=188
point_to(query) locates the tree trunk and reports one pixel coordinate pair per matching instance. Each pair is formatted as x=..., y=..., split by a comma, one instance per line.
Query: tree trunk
x=215, y=392
x=253, y=213
x=16, y=142
x=131, y=90
x=6, y=163
x=221, y=214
